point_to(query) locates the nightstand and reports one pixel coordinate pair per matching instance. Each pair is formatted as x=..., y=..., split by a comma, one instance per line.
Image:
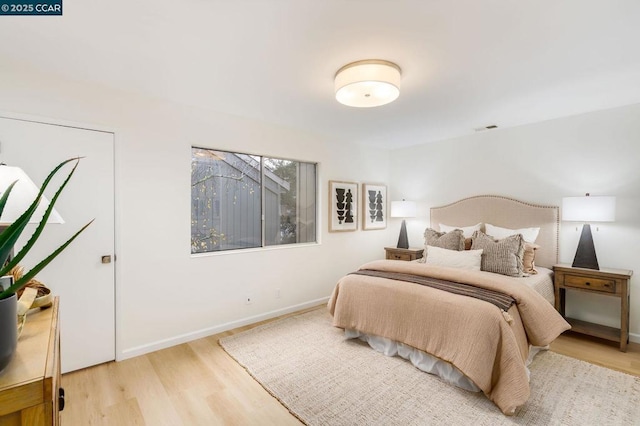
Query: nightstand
x=403, y=254
x=605, y=282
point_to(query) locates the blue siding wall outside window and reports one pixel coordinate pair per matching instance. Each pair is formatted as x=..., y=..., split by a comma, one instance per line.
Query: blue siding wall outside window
x=244, y=201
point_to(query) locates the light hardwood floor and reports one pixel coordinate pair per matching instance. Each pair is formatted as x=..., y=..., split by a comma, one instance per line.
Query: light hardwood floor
x=197, y=383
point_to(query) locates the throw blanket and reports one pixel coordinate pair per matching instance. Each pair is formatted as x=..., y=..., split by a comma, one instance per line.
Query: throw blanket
x=467, y=332
x=500, y=300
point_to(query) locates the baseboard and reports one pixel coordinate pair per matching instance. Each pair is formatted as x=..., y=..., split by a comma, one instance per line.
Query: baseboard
x=188, y=337
x=635, y=338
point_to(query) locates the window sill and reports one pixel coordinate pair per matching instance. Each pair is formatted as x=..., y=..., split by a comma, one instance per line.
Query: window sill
x=254, y=250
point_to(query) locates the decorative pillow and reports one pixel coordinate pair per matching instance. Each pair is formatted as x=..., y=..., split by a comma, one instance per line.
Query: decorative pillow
x=529, y=234
x=528, y=258
x=452, y=240
x=467, y=243
x=503, y=256
x=467, y=230
x=469, y=259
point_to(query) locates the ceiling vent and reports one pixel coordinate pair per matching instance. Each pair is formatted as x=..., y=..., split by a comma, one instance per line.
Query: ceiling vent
x=489, y=127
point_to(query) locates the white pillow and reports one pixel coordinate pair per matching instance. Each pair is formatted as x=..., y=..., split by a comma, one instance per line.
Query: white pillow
x=466, y=230
x=528, y=234
x=467, y=259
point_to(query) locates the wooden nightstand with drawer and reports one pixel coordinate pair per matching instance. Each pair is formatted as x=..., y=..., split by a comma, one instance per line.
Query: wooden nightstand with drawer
x=409, y=254
x=606, y=282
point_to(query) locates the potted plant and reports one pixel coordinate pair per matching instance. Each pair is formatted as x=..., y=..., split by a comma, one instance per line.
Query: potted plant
x=8, y=238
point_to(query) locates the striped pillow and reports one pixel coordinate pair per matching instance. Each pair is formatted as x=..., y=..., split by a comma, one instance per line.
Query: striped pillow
x=501, y=257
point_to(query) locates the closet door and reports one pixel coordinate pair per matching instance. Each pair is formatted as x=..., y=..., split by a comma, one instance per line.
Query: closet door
x=84, y=274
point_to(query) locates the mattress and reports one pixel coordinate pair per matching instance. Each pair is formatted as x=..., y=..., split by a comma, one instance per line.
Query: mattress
x=542, y=282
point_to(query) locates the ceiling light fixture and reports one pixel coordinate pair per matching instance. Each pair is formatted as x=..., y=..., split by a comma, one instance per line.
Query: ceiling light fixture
x=368, y=83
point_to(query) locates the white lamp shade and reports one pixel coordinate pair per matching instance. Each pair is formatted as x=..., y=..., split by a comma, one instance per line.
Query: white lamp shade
x=403, y=208
x=21, y=197
x=367, y=83
x=589, y=209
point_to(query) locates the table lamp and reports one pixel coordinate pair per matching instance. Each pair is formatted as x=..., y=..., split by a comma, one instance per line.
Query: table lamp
x=21, y=197
x=403, y=209
x=588, y=209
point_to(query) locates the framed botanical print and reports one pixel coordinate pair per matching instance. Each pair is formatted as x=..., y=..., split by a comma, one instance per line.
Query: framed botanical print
x=374, y=206
x=343, y=206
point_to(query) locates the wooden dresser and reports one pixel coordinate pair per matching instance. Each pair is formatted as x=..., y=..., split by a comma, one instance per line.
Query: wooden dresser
x=30, y=392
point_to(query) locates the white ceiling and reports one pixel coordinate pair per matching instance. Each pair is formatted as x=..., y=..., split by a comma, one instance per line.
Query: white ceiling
x=465, y=63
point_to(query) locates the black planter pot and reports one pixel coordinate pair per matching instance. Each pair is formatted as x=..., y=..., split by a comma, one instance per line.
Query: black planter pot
x=8, y=330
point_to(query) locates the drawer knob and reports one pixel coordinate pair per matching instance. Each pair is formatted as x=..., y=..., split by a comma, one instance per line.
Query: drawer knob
x=60, y=399
x=587, y=283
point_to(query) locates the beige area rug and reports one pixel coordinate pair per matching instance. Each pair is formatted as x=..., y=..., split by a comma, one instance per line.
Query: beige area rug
x=325, y=379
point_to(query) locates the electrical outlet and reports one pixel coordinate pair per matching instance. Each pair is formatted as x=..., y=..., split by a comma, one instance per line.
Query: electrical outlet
x=277, y=293
x=248, y=300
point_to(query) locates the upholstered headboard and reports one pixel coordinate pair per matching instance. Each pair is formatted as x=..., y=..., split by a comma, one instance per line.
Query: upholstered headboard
x=507, y=213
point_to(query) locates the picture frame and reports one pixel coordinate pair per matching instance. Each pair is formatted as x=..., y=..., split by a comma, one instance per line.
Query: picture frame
x=374, y=206
x=343, y=206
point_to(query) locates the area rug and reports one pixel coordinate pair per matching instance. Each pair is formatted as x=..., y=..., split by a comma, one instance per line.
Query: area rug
x=325, y=379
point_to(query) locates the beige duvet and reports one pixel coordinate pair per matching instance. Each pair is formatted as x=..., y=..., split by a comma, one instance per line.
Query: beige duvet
x=487, y=346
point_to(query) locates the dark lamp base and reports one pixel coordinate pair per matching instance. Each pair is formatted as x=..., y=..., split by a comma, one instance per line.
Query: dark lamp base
x=403, y=240
x=586, y=252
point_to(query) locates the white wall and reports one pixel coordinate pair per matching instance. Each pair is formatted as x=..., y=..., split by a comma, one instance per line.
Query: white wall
x=166, y=296
x=596, y=152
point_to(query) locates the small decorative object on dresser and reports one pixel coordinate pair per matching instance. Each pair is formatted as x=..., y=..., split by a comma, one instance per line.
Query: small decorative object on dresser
x=343, y=206
x=374, y=206
x=409, y=254
x=606, y=282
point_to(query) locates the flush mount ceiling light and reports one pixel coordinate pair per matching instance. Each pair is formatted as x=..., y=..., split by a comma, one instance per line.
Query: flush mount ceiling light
x=368, y=83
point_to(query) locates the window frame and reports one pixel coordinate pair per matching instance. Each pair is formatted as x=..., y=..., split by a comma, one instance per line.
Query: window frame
x=263, y=245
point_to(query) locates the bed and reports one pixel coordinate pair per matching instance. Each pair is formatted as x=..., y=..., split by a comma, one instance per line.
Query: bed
x=480, y=342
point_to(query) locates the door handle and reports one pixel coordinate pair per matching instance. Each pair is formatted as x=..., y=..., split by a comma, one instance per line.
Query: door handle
x=106, y=258
x=60, y=399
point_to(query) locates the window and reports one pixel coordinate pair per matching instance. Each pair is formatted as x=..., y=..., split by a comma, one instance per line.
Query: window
x=242, y=201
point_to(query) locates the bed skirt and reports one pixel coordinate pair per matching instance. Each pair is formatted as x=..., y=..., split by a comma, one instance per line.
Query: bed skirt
x=426, y=362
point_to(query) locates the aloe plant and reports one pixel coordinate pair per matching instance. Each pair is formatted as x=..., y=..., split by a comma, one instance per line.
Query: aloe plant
x=10, y=235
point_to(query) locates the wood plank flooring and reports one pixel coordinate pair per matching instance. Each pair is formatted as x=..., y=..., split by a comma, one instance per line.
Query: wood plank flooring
x=197, y=383
x=600, y=352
